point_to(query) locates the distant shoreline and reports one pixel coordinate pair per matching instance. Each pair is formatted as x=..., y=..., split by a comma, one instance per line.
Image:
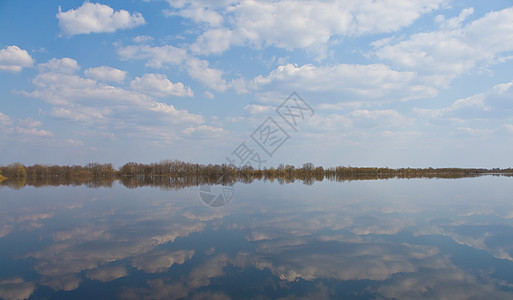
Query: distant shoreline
x=178, y=174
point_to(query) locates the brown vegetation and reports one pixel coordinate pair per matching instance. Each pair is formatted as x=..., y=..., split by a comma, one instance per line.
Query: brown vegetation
x=177, y=174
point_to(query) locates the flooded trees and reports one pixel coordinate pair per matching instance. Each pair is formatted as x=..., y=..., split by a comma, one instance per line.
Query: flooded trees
x=179, y=174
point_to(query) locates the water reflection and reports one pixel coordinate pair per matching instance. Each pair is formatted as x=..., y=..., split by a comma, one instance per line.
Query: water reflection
x=399, y=239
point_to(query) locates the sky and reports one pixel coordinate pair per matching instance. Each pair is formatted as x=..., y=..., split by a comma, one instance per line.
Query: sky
x=384, y=83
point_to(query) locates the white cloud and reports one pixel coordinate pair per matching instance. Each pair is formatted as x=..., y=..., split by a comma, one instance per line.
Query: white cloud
x=366, y=82
x=302, y=24
x=60, y=65
x=25, y=129
x=387, y=16
x=484, y=132
x=142, y=39
x=105, y=73
x=204, y=130
x=159, y=85
x=341, y=105
x=200, y=70
x=198, y=14
x=455, y=48
x=359, y=120
x=30, y=123
x=34, y=132
x=299, y=23
x=95, y=17
x=482, y=115
x=332, y=122
x=215, y=41
x=156, y=57
x=14, y=59
x=258, y=109
x=4, y=119
x=159, y=57
x=126, y=112
x=455, y=22
x=209, y=95
x=175, y=115
x=75, y=142
x=64, y=89
x=495, y=41
x=492, y=104
x=379, y=118
x=87, y=115
x=401, y=134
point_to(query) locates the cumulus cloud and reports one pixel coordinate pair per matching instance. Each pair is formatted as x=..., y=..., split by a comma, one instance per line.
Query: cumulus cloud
x=81, y=99
x=455, y=48
x=204, y=130
x=96, y=17
x=198, y=14
x=25, y=129
x=60, y=65
x=34, y=132
x=254, y=23
x=160, y=57
x=105, y=73
x=14, y=59
x=159, y=85
x=215, y=41
x=364, y=82
x=90, y=102
x=66, y=89
x=85, y=115
x=142, y=39
x=255, y=109
x=493, y=104
x=213, y=78
x=156, y=57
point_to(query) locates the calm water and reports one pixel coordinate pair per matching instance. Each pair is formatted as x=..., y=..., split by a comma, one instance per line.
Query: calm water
x=404, y=239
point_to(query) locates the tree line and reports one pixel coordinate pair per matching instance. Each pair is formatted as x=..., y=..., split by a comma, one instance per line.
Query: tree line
x=176, y=174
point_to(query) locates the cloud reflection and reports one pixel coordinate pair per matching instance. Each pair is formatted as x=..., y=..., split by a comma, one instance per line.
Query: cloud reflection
x=107, y=273
x=16, y=289
x=160, y=261
x=186, y=250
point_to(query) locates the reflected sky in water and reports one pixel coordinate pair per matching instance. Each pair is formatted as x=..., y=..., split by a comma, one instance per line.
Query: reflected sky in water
x=403, y=239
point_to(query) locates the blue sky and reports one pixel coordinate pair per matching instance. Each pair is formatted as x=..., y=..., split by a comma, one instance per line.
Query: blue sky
x=425, y=83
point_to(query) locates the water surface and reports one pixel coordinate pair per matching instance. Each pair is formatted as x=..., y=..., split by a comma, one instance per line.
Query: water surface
x=398, y=238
